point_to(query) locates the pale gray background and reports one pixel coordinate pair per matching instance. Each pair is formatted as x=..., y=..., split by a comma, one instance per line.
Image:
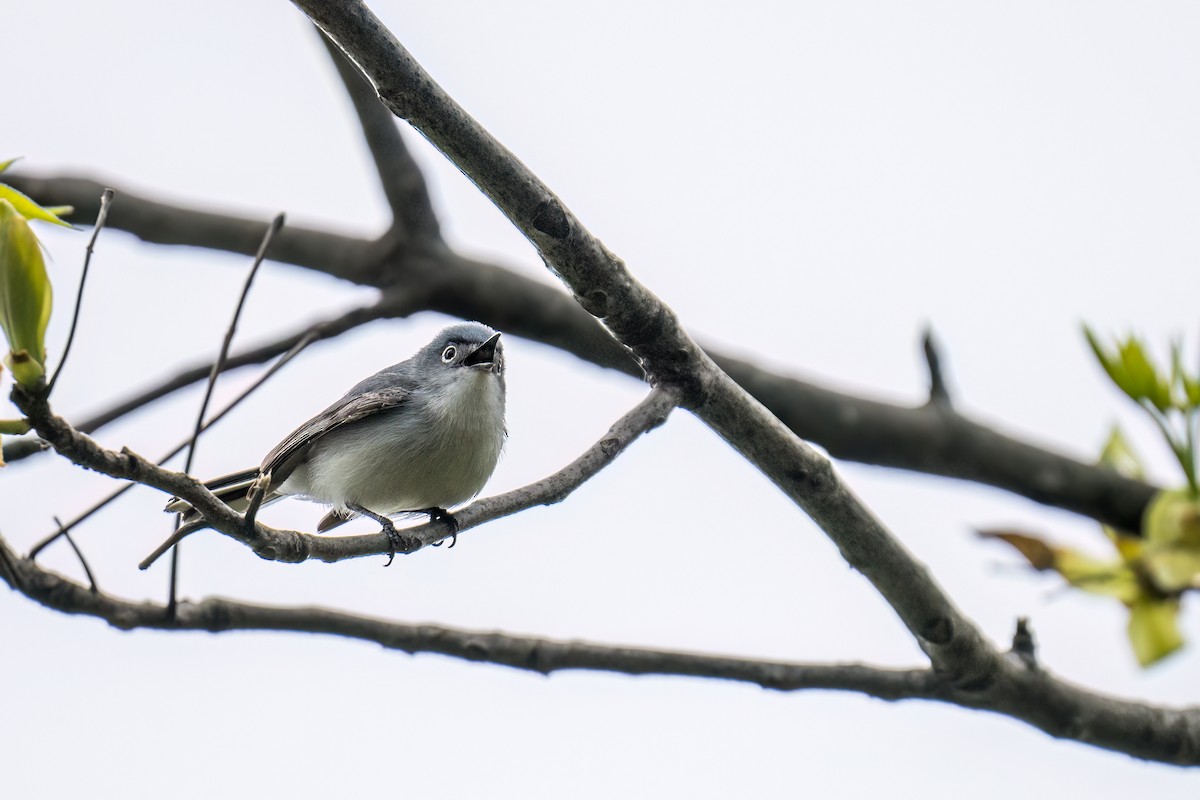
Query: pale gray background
x=807, y=185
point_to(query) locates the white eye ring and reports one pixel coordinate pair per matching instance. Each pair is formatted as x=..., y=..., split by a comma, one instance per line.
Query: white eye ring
x=449, y=353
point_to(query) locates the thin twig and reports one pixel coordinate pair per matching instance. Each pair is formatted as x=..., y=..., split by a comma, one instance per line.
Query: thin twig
x=180, y=533
x=62, y=529
x=105, y=201
x=66, y=533
x=272, y=229
x=219, y=364
x=939, y=395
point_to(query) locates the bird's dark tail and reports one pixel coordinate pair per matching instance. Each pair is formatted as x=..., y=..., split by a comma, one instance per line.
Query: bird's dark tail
x=333, y=519
x=231, y=489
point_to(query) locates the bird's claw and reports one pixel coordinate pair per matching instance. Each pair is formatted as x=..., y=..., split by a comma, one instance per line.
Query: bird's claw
x=395, y=542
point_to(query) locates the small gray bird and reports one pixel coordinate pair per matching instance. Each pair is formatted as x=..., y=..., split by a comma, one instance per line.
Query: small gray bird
x=421, y=436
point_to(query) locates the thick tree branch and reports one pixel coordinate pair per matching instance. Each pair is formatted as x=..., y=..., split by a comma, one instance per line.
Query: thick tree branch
x=644, y=324
x=1033, y=696
x=343, y=257
x=929, y=440
x=402, y=180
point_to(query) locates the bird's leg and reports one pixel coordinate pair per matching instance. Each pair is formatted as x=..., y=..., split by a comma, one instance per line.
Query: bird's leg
x=254, y=497
x=395, y=540
x=436, y=514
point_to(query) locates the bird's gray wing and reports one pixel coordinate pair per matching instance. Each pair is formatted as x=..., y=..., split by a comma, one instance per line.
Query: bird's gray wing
x=356, y=405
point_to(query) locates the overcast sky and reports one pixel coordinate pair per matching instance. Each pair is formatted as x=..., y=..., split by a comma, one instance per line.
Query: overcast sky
x=807, y=186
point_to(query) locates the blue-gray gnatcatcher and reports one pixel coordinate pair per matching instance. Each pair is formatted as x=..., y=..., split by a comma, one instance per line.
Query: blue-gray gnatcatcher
x=420, y=436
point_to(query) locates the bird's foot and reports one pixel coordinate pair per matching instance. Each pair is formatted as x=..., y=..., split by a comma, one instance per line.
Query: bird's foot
x=395, y=540
x=441, y=514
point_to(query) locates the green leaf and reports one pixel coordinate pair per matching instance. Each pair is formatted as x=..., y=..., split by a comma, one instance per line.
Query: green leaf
x=29, y=209
x=25, y=296
x=1153, y=632
x=1040, y=555
x=1190, y=385
x=1171, y=558
x=1177, y=376
x=1119, y=456
x=14, y=427
x=6, y=164
x=1153, y=629
x=1129, y=547
x=1191, y=389
x=1173, y=570
x=1110, y=361
x=1141, y=380
x=1107, y=577
x=1172, y=519
x=11, y=426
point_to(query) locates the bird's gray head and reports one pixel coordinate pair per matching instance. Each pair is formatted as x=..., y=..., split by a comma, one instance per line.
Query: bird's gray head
x=468, y=347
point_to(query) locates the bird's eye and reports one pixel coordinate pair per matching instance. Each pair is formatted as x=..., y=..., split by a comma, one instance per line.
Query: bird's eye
x=448, y=354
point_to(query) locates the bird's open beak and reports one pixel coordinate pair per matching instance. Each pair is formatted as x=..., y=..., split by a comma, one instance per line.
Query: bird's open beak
x=484, y=356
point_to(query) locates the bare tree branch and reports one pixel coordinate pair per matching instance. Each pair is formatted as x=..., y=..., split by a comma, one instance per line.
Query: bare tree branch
x=644, y=324
x=105, y=200
x=83, y=562
x=922, y=439
x=1035, y=697
x=343, y=257
x=402, y=180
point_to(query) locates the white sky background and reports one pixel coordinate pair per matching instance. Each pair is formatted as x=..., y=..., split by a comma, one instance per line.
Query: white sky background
x=807, y=186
